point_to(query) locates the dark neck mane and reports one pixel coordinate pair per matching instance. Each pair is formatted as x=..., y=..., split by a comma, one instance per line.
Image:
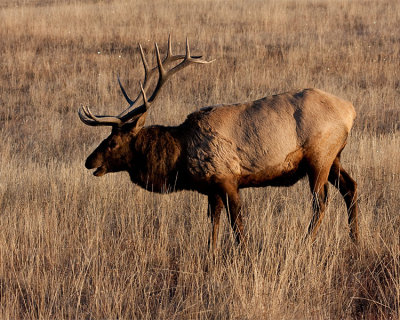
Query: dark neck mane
x=156, y=154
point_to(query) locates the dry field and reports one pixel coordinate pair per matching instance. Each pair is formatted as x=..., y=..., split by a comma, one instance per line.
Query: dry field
x=73, y=246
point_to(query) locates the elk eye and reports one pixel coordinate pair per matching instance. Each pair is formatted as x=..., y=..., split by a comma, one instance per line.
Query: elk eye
x=112, y=144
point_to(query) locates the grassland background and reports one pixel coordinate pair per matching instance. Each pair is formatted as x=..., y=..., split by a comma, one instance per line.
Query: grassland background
x=76, y=246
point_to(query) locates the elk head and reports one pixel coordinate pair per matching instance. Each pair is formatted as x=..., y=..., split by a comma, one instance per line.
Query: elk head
x=115, y=153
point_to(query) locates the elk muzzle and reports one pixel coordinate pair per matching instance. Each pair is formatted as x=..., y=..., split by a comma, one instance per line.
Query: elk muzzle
x=96, y=161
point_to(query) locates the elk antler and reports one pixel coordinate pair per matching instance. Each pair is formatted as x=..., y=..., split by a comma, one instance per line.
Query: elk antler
x=135, y=110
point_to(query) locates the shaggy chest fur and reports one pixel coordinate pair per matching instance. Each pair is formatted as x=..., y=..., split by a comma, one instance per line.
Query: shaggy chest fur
x=156, y=154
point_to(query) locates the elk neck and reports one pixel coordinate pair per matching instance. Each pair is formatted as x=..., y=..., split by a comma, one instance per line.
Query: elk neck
x=156, y=153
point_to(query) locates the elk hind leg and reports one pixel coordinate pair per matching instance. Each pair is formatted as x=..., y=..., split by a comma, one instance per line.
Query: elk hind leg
x=319, y=188
x=348, y=189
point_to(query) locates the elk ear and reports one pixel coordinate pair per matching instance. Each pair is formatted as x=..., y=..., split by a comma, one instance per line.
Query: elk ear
x=137, y=125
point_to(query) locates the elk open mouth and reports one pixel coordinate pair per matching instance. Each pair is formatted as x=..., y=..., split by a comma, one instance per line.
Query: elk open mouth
x=100, y=171
x=93, y=163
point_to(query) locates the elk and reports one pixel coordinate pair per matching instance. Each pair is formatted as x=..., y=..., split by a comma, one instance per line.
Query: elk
x=273, y=141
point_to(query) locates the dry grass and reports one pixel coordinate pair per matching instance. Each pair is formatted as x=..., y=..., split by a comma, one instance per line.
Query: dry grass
x=74, y=246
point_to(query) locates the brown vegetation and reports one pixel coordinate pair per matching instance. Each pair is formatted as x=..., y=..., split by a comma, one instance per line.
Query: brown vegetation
x=73, y=246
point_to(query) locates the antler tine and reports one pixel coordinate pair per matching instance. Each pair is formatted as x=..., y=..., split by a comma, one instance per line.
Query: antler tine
x=84, y=115
x=161, y=69
x=90, y=119
x=187, y=49
x=170, y=57
x=145, y=64
x=124, y=92
x=169, y=52
x=146, y=102
x=89, y=115
x=81, y=115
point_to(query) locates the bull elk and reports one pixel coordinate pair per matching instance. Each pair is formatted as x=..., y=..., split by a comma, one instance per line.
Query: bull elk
x=273, y=141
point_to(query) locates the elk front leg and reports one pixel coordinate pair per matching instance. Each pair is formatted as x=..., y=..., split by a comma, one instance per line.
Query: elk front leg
x=232, y=204
x=215, y=205
x=348, y=189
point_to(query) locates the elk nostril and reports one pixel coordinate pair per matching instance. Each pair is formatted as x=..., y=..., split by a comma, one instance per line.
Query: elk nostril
x=90, y=163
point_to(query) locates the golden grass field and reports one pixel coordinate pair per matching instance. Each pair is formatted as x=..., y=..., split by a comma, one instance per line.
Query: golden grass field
x=73, y=246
